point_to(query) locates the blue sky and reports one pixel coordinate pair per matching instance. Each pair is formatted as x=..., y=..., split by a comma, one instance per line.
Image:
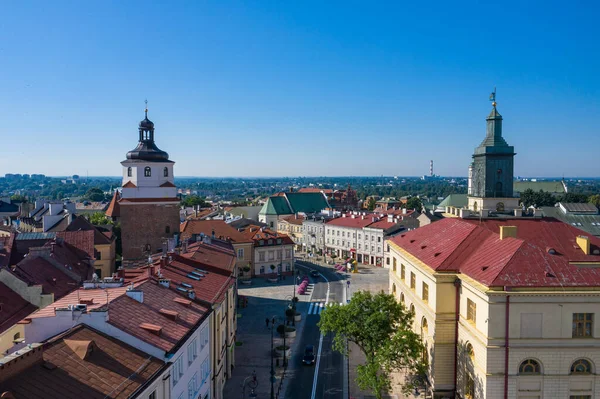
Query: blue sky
x=271, y=88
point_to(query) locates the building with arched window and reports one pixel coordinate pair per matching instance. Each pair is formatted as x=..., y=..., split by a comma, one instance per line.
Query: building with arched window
x=147, y=206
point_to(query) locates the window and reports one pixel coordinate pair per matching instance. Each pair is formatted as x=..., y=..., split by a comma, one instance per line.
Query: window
x=279, y=254
x=192, y=351
x=394, y=264
x=413, y=281
x=469, y=387
x=288, y=268
x=581, y=366
x=204, y=370
x=177, y=370
x=412, y=308
x=529, y=367
x=271, y=255
x=402, y=272
x=262, y=270
x=166, y=172
x=471, y=311
x=152, y=395
x=240, y=253
x=402, y=297
x=261, y=256
x=343, y=234
x=271, y=224
x=193, y=386
x=147, y=171
x=338, y=233
x=582, y=325
x=288, y=253
x=394, y=289
x=203, y=337
x=425, y=293
x=367, y=237
x=378, y=239
x=387, y=262
x=129, y=172
x=424, y=328
x=358, y=246
x=359, y=236
x=372, y=238
x=17, y=338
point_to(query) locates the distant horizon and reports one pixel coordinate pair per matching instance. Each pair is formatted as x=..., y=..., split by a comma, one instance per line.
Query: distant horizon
x=315, y=177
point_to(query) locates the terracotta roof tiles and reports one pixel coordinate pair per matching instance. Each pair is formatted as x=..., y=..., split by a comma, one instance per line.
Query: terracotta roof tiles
x=12, y=308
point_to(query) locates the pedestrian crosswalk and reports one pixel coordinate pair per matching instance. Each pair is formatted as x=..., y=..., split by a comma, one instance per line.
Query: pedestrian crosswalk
x=317, y=307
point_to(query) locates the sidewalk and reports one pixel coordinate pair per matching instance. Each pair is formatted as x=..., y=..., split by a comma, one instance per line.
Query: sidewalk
x=253, y=352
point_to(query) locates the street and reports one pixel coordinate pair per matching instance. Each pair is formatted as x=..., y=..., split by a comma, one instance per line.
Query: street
x=329, y=365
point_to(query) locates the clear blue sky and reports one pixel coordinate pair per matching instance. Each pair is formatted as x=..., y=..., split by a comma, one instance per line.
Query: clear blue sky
x=288, y=88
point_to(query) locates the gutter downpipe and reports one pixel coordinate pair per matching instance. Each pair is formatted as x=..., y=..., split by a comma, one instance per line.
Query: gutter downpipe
x=506, y=341
x=457, y=285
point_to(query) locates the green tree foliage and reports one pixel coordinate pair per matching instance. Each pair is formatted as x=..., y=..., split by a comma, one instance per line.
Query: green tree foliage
x=382, y=329
x=594, y=199
x=99, y=219
x=371, y=203
x=574, y=197
x=18, y=198
x=193, y=200
x=95, y=194
x=539, y=198
x=414, y=203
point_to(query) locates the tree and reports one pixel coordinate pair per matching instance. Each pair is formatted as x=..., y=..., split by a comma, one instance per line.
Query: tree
x=595, y=200
x=95, y=194
x=382, y=329
x=574, y=197
x=193, y=200
x=18, y=198
x=414, y=203
x=99, y=218
x=540, y=198
x=371, y=204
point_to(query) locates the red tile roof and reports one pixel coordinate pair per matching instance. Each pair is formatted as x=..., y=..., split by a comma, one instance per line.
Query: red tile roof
x=259, y=234
x=83, y=240
x=81, y=363
x=217, y=254
x=475, y=249
x=168, y=184
x=357, y=221
x=113, y=208
x=128, y=315
x=211, y=288
x=221, y=229
x=125, y=200
x=80, y=223
x=294, y=219
x=39, y=271
x=12, y=308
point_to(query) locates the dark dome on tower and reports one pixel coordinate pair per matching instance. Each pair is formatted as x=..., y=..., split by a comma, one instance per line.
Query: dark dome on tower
x=146, y=149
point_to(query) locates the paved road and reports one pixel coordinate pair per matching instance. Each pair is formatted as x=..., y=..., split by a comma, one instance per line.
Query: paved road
x=330, y=378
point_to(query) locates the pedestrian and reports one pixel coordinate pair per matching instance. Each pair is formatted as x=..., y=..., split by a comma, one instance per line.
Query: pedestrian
x=267, y=321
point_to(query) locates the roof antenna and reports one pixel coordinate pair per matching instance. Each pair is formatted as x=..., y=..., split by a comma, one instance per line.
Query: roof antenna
x=493, y=97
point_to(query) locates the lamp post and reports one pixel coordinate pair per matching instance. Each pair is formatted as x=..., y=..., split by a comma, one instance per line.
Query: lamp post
x=273, y=319
x=253, y=384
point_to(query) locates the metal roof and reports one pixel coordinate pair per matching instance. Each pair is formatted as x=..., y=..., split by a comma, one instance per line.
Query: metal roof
x=35, y=236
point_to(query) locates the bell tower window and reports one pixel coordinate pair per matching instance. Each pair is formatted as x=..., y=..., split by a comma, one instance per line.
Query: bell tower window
x=166, y=172
x=498, y=189
x=147, y=171
x=129, y=171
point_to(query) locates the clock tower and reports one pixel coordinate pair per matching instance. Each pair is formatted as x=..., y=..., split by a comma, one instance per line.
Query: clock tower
x=490, y=186
x=149, y=206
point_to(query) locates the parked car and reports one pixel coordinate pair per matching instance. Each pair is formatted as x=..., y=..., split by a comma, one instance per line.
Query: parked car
x=309, y=355
x=314, y=273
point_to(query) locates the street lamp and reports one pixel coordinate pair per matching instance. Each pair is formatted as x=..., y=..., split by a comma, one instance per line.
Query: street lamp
x=253, y=384
x=273, y=319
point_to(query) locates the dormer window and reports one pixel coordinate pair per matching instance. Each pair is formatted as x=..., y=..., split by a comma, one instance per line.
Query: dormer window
x=166, y=172
x=129, y=171
x=147, y=171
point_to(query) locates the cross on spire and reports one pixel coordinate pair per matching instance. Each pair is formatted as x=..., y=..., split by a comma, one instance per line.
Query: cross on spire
x=146, y=107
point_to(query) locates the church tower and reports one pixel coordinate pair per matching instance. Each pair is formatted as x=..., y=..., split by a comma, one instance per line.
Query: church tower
x=149, y=207
x=491, y=172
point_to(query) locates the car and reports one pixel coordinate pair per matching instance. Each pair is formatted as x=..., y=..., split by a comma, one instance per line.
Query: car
x=309, y=355
x=314, y=273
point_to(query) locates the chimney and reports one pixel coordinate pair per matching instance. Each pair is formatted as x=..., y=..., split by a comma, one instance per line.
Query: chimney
x=138, y=295
x=508, y=231
x=191, y=294
x=164, y=282
x=584, y=244
x=37, y=252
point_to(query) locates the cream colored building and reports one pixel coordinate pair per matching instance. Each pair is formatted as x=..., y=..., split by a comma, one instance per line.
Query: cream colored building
x=507, y=309
x=292, y=227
